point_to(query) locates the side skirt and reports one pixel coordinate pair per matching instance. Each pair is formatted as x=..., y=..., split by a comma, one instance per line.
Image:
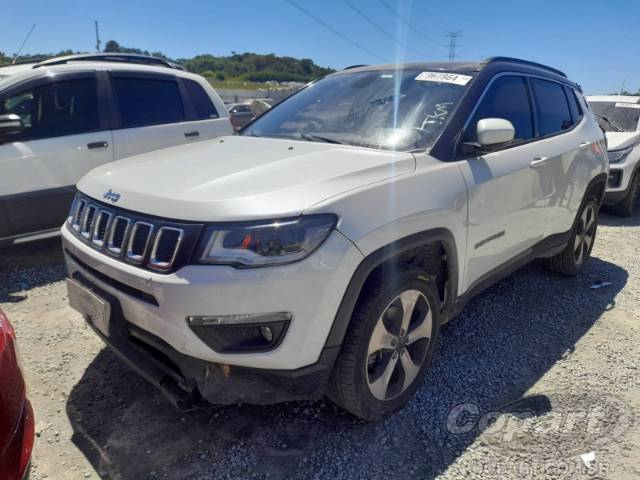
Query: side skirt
x=546, y=248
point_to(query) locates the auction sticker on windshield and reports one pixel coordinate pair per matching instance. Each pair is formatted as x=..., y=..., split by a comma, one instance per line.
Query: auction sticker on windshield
x=627, y=105
x=444, y=77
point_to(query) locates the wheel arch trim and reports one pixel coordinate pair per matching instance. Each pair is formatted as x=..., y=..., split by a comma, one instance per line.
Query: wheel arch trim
x=383, y=254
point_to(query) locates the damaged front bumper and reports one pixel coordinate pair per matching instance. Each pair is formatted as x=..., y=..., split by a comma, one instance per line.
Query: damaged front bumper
x=186, y=380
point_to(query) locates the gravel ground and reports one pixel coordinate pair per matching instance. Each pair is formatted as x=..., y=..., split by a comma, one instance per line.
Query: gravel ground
x=536, y=372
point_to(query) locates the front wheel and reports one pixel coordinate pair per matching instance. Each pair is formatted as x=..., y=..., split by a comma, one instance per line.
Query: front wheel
x=389, y=343
x=578, y=250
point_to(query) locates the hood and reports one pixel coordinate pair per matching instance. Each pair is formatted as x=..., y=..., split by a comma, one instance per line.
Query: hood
x=240, y=178
x=620, y=140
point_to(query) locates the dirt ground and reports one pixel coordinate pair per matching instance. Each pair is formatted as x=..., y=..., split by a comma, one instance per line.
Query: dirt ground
x=553, y=361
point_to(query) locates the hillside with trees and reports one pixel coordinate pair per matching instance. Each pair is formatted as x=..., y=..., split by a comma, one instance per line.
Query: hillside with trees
x=234, y=68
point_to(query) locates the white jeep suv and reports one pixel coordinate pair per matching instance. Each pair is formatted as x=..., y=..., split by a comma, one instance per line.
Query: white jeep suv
x=64, y=116
x=619, y=117
x=320, y=250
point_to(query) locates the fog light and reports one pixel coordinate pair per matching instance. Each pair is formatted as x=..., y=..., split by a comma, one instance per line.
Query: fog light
x=241, y=333
x=266, y=333
x=240, y=319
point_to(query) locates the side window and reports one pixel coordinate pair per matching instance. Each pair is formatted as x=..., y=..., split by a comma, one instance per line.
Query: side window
x=552, y=107
x=201, y=101
x=506, y=98
x=576, y=110
x=55, y=109
x=146, y=101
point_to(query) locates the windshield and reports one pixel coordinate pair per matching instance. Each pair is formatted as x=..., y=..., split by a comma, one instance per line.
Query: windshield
x=617, y=116
x=379, y=109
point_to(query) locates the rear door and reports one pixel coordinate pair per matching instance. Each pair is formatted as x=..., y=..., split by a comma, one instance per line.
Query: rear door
x=566, y=160
x=65, y=135
x=155, y=110
x=149, y=112
x=508, y=193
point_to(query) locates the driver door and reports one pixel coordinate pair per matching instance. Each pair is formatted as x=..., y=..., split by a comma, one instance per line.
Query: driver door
x=64, y=135
x=506, y=215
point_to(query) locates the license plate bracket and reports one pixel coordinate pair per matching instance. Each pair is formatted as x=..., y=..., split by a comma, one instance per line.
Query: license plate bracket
x=95, y=309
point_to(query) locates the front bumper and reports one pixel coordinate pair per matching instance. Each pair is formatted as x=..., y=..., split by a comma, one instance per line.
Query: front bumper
x=620, y=175
x=156, y=306
x=184, y=380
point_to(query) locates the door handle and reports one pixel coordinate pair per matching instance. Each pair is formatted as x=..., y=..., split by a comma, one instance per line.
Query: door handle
x=94, y=145
x=584, y=145
x=539, y=161
x=195, y=133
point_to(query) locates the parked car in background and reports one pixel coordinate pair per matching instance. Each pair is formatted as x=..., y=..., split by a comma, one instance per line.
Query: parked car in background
x=12, y=69
x=261, y=105
x=16, y=415
x=240, y=114
x=64, y=116
x=619, y=116
x=328, y=242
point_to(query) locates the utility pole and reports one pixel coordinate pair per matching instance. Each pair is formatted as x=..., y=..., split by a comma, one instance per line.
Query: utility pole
x=15, y=57
x=97, y=37
x=453, y=39
x=622, y=87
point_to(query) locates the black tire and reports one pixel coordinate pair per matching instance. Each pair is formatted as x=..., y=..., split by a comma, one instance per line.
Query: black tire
x=626, y=206
x=571, y=260
x=386, y=292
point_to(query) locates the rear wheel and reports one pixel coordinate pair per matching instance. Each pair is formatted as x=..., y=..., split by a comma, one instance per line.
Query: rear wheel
x=389, y=343
x=625, y=207
x=571, y=260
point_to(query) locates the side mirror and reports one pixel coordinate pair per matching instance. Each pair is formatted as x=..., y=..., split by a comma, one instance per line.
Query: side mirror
x=10, y=124
x=493, y=131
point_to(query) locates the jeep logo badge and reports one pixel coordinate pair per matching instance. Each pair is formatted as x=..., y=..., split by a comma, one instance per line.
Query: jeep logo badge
x=111, y=196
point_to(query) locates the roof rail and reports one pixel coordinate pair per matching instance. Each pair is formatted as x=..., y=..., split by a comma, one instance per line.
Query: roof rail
x=489, y=60
x=111, y=57
x=21, y=62
x=354, y=66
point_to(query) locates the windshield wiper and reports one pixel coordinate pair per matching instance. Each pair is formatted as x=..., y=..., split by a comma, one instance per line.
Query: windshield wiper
x=312, y=137
x=618, y=129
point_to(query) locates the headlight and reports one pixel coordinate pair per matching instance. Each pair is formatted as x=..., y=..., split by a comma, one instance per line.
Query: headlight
x=271, y=243
x=617, y=156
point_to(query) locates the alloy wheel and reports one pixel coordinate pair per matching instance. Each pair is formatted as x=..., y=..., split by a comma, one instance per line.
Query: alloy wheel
x=398, y=345
x=585, y=234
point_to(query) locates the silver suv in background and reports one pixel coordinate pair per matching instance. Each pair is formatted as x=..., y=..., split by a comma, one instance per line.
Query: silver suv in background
x=64, y=116
x=619, y=117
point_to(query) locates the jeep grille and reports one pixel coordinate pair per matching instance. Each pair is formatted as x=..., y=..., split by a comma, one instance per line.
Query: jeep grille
x=148, y=242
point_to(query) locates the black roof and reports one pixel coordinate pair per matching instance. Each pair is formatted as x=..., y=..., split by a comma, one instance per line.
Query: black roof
x=466, y=67
x=111, y=57
x=444, y=66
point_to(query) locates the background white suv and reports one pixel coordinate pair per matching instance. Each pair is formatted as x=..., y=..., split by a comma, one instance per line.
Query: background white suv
x=62, y=117
x=619, y=117
x=319, y=251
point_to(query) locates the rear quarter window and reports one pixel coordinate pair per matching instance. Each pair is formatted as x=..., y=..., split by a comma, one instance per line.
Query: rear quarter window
x=200, y=100
x=574, y=104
